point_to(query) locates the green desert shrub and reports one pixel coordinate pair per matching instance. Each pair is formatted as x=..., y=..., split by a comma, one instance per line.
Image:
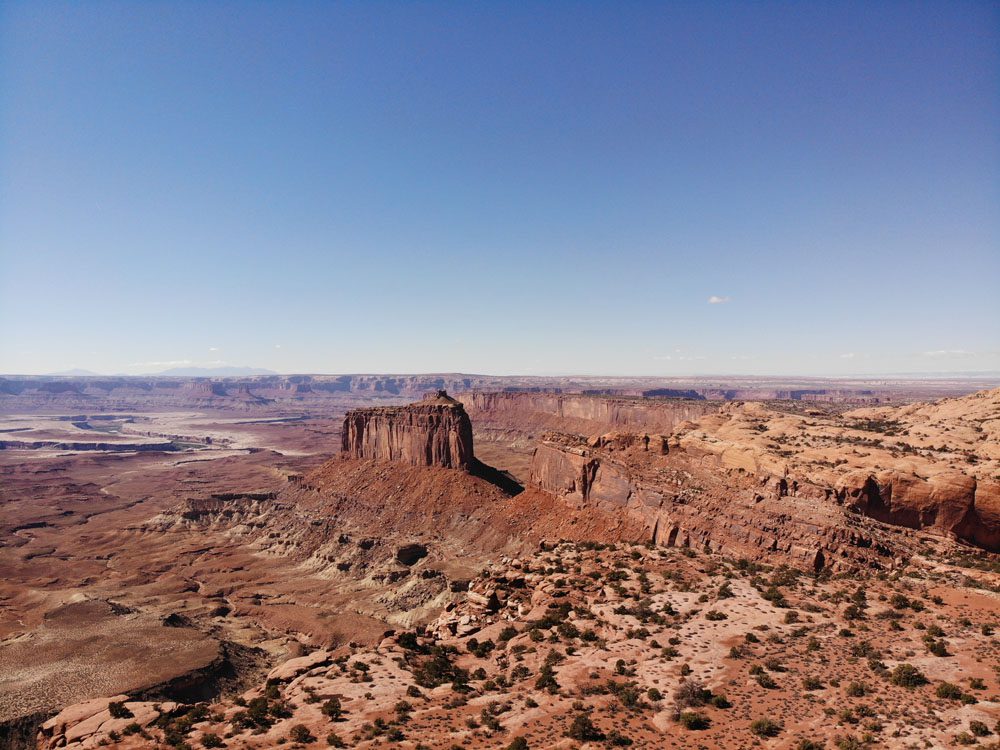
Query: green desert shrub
x=119, y=710
x=301, y=733
x=979, y=728
x=907, y=675
x=582, y=729
x=694, y=720
x=948, y=690
x=332, y=709
x=766, y=727
x=856, y=689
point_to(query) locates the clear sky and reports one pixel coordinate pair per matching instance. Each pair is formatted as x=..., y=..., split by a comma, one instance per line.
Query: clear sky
x=621, y=188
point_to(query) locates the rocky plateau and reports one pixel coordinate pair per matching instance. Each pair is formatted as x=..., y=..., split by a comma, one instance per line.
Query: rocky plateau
x=299, y=560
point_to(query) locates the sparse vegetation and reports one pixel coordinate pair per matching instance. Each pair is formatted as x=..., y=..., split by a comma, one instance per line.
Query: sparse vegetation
x=906, y=675
x=794, y=652
x=766, y=727
x=694, y=720
x=301, y=733
x=582, y=729
x=119, y=710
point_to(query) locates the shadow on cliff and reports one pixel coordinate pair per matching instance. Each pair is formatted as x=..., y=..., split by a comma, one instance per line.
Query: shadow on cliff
x=503, y=480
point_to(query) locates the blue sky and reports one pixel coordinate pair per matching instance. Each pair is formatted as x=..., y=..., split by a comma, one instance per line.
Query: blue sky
x=500, y=188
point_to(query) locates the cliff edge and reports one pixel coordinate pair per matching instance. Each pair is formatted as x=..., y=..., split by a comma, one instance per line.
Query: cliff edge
x=433, y=432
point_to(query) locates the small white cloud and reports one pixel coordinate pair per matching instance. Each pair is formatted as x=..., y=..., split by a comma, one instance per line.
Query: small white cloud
x=277, y=346
x=213, y=348
x=716, y=300
x=948, y=353
x=678, y=357
x=849, y=355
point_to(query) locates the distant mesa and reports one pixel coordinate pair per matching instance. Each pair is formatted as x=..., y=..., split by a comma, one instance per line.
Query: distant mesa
x=621, y=403
x=433, y=432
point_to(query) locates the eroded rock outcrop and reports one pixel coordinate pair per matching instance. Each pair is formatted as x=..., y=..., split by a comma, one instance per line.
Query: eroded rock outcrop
x=432, y=432
x=923, y=466
x=683, y=503
x=582, y=413
x=952, y=502
x=754, y=478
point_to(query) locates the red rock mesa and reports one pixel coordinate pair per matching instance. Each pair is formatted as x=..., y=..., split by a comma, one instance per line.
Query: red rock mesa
x=432, y=432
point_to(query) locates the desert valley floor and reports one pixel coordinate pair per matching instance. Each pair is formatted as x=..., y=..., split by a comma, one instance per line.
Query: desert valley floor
x=368, y=561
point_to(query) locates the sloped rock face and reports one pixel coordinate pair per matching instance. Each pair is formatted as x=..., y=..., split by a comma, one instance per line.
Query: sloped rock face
x=954, y=503
x=582, y=413
x=816, y=487
x=682, y=503
x=432, y=432
x=928, y=467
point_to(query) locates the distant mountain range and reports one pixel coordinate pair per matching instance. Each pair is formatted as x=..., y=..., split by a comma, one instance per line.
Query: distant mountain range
x=76, y=372
x=186, y=372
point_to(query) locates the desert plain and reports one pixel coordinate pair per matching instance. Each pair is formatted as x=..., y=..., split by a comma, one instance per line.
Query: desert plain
x=469, y=561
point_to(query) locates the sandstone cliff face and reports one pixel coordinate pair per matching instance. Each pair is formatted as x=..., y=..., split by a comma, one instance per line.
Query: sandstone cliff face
x=681, y=502
x=860, y=395
x=951, y=502
x=581, y=413
x=922, y=466
x=432, y=432
x=752, y=478
x=22, y=394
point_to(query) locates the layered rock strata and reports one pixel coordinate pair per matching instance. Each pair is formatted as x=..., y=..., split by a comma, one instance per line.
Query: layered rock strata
x=24, y=394
x=432, y=432
x=932, y=467
x=754, y=479
x=581, y=413
x=685, y=504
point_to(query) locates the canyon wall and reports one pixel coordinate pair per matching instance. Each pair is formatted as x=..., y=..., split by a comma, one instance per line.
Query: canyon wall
x=746, y=468
x=432, y=432
x=681, y=504
x=926, y=467
x=955, y=504
x=581, y=413
x=858, y=395
x=21, y=393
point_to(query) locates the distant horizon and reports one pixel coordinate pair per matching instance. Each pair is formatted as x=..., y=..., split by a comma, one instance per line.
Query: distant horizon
x=261, y=372
x=685, y=369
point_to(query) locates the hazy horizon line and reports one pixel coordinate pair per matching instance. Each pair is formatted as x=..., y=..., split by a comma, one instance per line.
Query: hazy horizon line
x=916, y=374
